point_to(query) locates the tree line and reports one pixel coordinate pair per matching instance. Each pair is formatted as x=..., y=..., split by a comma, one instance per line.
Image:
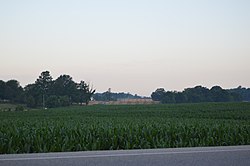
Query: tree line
x=63, y=91
x=243, y=92
x=46, y=92
x=112, y=96
x=196, y=95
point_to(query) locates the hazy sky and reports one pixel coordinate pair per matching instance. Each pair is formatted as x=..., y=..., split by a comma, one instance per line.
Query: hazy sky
x=133, y=45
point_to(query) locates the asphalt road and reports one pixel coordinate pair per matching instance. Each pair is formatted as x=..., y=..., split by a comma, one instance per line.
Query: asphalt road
x=202, y=156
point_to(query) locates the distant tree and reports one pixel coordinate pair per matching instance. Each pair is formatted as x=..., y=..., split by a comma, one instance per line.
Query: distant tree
x=219, y=95
x=169, y=97
x=243, y=93
x=33, y=95
x=52, y=101
x=2, y=90
x=100, y=97
x=64, y=86
x=197, y=94
x=85, y=92
x=235, y=96
x=180, y=97
x=159, y=94
x=57, y=101
x=13, y=91
x=111, y=96
x=44, y=83
x=47, y=92
x=64, y=101
x=30, y=102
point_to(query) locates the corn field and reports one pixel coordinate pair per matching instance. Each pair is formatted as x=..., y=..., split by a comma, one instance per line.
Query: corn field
x=110, y=127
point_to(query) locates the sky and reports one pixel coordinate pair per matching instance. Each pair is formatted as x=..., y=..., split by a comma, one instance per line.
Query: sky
x=133, y=46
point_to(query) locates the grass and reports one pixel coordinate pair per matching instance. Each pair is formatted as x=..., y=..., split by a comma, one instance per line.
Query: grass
x=110, y=127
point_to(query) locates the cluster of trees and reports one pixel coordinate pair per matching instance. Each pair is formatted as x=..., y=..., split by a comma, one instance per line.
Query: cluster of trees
x=46, y=92
x=110, y=96
x=196, y=95
x=243, y=92
x=11, y=91
x=63, y=91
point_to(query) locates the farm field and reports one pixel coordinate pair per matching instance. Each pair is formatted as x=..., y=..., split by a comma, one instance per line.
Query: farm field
x=112, y=127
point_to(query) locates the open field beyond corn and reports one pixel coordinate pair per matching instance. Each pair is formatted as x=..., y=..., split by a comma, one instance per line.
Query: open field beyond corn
x=104, y=127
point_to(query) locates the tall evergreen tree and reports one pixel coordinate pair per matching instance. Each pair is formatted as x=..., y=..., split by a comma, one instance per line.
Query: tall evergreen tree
x=44, y=83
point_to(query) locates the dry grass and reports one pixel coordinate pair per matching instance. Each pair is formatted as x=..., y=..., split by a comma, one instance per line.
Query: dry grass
x=125, y=102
